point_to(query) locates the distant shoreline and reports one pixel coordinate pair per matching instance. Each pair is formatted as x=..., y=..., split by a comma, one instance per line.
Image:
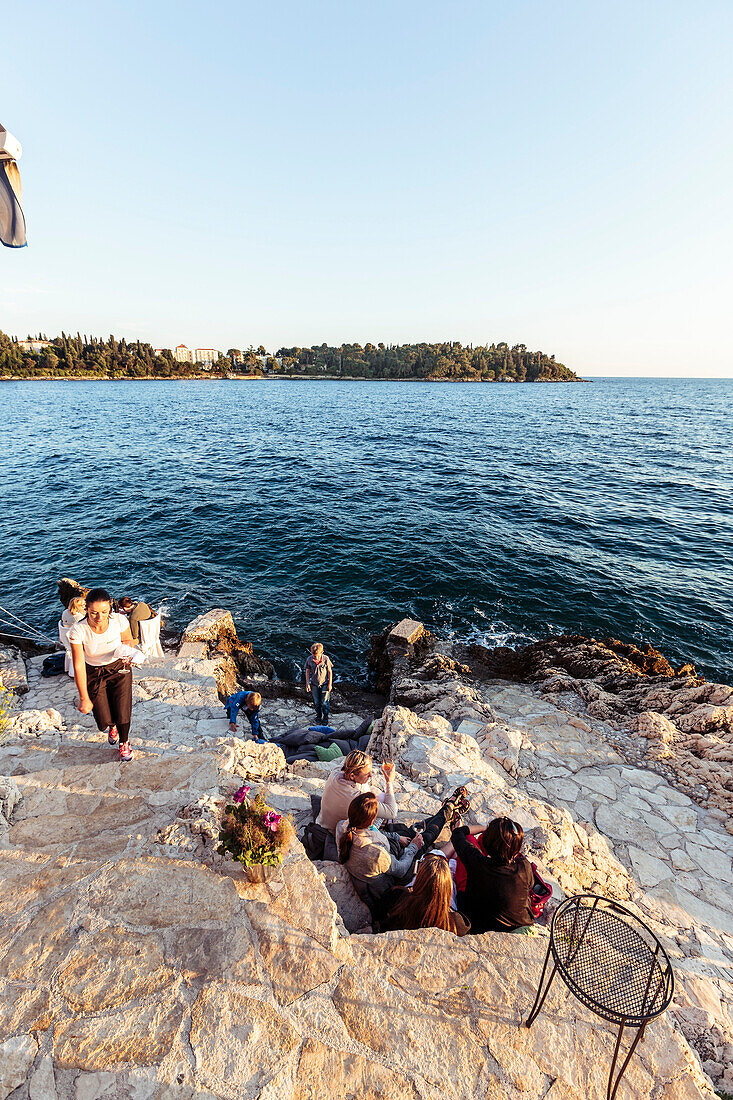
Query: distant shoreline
x=293, y=378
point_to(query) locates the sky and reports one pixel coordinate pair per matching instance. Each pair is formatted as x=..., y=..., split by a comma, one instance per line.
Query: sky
x=220, y=175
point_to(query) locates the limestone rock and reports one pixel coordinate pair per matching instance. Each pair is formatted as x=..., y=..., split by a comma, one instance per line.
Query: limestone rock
x=238, y=1043
x=142, y=1034
x=12, y=671
x=655, y=727
x=112, y=967
x=406, y=633
x=294, y=961
x=350, y=1076
x=16, y=1058
x=215, y=629
x=10, y=796
x=352, y=910
x=33, y=723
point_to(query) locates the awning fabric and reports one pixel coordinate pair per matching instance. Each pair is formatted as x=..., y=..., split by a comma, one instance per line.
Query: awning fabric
x=12, y=219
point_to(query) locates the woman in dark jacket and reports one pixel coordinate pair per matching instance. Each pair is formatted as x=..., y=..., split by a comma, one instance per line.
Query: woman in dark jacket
x=498, y=877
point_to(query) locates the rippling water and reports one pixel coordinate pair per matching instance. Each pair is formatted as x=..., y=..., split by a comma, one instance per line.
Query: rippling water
x=326, y=510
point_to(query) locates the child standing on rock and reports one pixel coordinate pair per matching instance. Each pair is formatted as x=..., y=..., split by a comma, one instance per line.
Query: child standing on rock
x=319, y=681
x=251, y=702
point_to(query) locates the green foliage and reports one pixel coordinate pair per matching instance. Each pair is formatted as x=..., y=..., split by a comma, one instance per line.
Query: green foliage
x=427, y=362
x=82, y=357
x=246, y=835
x=6, y=706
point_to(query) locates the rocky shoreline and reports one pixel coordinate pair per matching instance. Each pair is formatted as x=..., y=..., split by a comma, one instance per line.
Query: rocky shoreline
x=136, y=962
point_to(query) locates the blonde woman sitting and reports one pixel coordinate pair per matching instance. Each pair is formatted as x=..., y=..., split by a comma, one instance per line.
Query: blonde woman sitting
x=352, y=779
x=75, y=612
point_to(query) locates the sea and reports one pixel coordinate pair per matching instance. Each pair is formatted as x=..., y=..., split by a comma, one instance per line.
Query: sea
x=325, y=510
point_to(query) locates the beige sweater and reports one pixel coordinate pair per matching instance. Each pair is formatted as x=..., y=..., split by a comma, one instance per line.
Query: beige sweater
x=338, y=795
x=370, y=854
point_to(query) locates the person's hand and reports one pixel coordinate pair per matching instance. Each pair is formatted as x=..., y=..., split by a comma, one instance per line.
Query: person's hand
x=388, y=771
x=84, y=705
x=232, y=727
x=127, y=662
x=404, y=841
x=418, y=841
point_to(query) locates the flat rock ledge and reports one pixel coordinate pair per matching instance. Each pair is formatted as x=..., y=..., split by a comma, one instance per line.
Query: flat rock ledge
x=136, y=963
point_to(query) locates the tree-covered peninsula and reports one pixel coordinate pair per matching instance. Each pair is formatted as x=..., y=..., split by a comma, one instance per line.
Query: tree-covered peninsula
x=67, y=356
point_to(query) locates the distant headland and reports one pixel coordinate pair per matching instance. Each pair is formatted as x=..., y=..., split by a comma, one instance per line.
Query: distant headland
x=83, y=357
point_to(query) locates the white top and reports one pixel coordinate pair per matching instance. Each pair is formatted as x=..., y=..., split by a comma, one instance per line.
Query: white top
x=68, y=619
x=99, y=649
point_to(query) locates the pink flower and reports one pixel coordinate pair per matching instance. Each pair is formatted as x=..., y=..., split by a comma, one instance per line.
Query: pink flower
x=272, y=820
x=241, y=794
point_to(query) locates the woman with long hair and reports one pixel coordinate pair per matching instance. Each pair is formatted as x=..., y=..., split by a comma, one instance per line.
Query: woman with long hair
x=75, y=611
x=366, y=851
x=427, y=903
x=498, y=877
x=103, y=679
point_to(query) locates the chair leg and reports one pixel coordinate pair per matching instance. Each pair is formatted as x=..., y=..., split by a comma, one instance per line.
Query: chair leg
x=612, y=1086
x=540, y=1000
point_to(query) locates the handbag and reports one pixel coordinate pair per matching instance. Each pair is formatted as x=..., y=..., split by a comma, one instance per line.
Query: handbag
x=540, y=893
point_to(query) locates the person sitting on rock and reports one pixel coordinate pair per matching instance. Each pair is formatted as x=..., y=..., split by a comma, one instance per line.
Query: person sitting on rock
x=75, y=612
x=135, y=612
x=366, y=851
x=351, y=779
x=498, y=877
x=425, y=904
x=319, y=681
x=250, y=701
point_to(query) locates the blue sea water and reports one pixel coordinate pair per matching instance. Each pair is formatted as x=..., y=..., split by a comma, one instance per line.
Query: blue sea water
x=325, y=510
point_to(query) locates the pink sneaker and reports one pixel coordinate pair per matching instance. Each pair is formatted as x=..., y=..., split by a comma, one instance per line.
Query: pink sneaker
x=112, y=735
x=125, y=752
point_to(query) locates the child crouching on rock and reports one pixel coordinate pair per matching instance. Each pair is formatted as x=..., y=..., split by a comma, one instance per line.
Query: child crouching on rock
x=250, y=701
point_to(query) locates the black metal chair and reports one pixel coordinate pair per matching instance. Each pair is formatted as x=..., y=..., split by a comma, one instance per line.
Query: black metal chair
x=612, y=963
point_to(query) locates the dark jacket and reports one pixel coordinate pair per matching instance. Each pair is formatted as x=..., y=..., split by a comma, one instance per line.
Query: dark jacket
x=389, y=923
x=496, y=898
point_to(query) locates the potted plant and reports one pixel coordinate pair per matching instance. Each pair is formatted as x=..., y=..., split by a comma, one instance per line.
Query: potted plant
x=254, y=834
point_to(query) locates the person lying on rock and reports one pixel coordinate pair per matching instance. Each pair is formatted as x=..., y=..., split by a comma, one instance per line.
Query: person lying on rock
x=319, y=681
x=103, y=681
x=425, y=904
x=250, y=702
x=498, y=878
x=353, y=778
x=378, y=859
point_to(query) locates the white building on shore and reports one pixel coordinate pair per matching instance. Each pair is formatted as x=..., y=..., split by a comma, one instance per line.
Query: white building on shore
x=34, y=345
x=206, y=356
x=182, y=354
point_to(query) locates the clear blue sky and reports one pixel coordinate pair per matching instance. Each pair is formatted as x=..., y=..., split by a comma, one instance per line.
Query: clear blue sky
x=556, y=174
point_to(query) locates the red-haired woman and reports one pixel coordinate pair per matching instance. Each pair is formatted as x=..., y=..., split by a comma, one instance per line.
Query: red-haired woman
x=427, y=903
x=498, y=877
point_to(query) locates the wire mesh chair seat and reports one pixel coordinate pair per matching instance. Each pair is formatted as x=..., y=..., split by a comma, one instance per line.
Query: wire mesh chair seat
x=612, y=962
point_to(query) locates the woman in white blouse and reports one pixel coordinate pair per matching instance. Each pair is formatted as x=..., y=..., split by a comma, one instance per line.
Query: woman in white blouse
x=104, y=681
x=75, y=611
